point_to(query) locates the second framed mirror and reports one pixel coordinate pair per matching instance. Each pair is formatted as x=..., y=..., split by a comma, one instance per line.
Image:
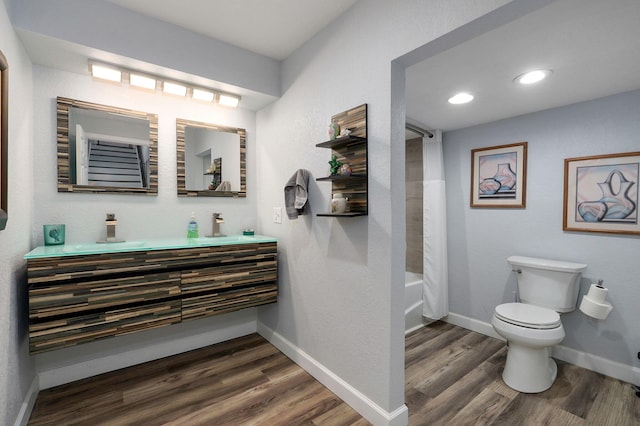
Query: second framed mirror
x=211, y=159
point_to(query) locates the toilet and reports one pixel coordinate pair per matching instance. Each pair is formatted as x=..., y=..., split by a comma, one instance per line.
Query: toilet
x=532, y=326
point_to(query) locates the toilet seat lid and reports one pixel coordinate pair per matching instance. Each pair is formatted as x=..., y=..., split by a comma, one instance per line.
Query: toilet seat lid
x=529, y=316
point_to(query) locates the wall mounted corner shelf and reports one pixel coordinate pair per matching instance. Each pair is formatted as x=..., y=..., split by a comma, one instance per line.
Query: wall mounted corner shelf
x=339, y=142
x=351, y=150
x=338, y=178
x=346, y=214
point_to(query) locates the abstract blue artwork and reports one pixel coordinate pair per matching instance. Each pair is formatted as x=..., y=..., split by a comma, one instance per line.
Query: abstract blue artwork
x=601, y=193
x=498, y=176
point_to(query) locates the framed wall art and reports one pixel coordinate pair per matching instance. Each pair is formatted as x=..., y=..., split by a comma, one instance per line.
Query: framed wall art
x=499, y=176
x=601, y=193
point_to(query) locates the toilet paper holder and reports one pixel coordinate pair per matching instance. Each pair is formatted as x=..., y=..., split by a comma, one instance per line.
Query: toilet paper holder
x=594, y=303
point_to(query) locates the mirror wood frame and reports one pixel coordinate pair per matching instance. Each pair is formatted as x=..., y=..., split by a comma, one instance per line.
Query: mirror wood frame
x=181, y=125
x=4, y=140
x=65, y=184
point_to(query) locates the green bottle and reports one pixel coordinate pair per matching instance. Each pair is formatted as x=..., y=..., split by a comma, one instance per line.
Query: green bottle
x=192, y=230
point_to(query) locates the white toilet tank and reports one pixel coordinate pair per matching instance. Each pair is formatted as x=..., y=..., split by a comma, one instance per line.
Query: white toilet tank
x=548, y=283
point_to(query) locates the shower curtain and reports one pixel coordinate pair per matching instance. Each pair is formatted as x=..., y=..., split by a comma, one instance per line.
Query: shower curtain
x=435, y=294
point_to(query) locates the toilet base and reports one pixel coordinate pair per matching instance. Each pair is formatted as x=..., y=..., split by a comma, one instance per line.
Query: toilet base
x=529, y=370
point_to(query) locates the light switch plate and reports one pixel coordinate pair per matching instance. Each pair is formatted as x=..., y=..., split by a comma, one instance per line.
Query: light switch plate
x=277, y=215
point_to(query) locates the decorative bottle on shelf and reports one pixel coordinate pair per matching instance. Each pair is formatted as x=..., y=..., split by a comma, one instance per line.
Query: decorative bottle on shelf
x=334, y=130
x=192, y=229
x=338, y=203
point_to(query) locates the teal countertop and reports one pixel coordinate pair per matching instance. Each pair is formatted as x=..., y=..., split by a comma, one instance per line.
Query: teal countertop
x=144, y=245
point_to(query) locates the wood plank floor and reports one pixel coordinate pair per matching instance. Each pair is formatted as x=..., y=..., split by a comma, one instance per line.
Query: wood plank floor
x=452, y=378
x=239, y=382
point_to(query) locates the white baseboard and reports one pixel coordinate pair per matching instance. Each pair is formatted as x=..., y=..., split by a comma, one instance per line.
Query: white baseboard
x=598, y=364
x=27, y=404
x=472, y=324
x=359, y=402
x=414, y=328
x=625, y=373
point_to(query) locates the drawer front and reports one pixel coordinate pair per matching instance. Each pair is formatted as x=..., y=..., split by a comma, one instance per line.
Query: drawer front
x=94, y=266
x=227, y=301
x=61, y=333
x=229, y=277
x=75, y=298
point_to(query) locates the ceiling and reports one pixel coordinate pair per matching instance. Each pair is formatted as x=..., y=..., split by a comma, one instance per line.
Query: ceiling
x=592, y=46
x=273, y=28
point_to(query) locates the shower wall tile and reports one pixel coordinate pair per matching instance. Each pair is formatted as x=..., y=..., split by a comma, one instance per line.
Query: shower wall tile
x=413, y=174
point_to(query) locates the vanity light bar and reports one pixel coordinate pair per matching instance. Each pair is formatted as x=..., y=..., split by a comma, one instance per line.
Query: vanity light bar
x=202, y=95
x=174, y=88
x=142, y=81
x=106, y=73
x=228, y=100
x=145, y=81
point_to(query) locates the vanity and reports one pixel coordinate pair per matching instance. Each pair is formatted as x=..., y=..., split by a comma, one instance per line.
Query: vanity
x=79, y=293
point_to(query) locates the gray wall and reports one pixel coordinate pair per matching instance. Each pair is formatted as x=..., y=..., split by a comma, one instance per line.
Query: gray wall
x=139, y=217
x=341, y=281
x=481, y=239
x=16, y=367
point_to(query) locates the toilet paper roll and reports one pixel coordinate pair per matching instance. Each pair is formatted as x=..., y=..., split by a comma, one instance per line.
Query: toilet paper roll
x=597, y=293
x=594, y=309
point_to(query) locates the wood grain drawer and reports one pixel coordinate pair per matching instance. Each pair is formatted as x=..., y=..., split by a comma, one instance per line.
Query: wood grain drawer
x=61, y=333
x=74, y=298
x=229, y=276
x=65, y=268
x=227, y=301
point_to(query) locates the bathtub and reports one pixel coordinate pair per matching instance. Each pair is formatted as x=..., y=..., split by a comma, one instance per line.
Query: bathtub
x=413, y=318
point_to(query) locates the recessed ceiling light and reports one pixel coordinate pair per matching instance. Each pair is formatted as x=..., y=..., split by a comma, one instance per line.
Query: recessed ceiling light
x=461, y=98
x=532, y=76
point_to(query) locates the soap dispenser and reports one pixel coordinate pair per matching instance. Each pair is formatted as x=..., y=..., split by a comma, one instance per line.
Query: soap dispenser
x=192, y=230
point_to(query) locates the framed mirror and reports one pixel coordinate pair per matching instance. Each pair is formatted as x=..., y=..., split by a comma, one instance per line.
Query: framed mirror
x=106, y=149
x=211, y=160
x=4, y=139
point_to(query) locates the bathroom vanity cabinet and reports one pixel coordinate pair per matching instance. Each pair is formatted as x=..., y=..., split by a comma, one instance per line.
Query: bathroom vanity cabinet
x=350, y=150
x=78, y=295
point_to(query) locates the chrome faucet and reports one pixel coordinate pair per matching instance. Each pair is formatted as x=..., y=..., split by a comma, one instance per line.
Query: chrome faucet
x=216, y=221
x=111, y=227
